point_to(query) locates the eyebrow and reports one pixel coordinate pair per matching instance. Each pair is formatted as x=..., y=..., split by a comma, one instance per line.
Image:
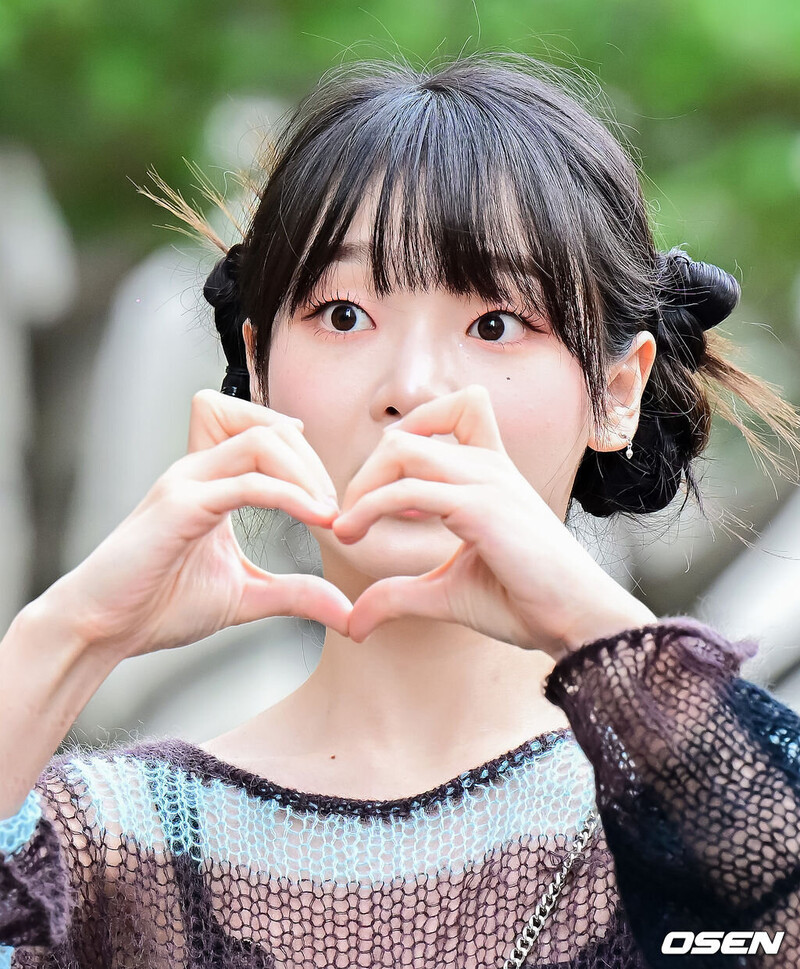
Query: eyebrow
x=359, y=252
x=351, y=252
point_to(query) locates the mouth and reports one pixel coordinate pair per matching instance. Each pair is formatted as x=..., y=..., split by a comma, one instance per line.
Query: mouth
x=413, y=514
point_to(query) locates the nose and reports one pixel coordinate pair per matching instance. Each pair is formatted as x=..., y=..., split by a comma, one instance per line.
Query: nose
x=424, y=365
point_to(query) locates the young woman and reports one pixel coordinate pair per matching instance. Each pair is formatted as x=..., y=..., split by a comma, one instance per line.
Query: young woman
x=446, y=323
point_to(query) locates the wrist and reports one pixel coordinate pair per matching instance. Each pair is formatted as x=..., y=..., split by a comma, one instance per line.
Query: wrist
x=53, y=622
x=598, y=621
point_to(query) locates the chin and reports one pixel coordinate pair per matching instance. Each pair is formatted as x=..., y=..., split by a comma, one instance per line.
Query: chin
x=395, y=546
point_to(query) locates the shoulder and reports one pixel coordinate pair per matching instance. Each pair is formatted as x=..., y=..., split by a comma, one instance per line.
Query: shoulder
x=113, y=789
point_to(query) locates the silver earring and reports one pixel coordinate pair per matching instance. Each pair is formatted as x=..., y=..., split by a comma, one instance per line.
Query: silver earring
x=629, y=451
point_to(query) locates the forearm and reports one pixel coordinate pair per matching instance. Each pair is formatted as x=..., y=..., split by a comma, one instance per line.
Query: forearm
x=698, y=780
x=48, y=673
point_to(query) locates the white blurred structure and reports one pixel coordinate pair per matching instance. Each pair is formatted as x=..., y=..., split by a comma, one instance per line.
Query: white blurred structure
x=153, y=355
x=759, y=596
x=38, y=279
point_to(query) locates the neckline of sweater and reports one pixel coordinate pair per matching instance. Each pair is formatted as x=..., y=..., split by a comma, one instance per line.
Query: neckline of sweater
x=209, y=768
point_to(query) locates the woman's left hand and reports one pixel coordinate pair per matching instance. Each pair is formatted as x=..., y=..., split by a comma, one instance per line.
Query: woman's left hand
x=519, y=576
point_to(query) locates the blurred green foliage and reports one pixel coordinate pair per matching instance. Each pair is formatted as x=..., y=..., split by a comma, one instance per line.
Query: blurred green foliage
x=706, y=90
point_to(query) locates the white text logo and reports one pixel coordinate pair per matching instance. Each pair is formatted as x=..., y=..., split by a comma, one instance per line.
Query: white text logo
x=728, y=943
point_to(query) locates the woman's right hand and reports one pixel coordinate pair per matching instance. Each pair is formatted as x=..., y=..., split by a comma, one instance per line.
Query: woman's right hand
x=173, y=572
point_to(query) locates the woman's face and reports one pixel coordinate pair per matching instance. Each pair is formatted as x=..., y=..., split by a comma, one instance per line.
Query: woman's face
x=355, y=366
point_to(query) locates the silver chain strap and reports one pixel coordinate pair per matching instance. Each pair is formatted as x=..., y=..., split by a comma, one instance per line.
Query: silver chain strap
x=530, y=933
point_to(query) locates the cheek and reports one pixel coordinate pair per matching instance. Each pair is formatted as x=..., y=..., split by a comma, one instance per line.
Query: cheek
x=543, y=421
x=298, y=386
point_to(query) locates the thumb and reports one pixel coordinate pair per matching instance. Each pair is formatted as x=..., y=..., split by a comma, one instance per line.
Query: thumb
x=397, y=596
x=304, y=596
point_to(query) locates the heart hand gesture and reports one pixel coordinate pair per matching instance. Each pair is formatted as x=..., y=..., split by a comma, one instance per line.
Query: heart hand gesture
x=519, y=575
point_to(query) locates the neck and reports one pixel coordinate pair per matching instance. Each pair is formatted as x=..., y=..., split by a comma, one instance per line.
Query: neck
x=423, y=696
x=417, y=689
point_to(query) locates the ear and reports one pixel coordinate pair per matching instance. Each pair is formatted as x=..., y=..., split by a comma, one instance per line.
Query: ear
x=249, y=345
x=626, y=382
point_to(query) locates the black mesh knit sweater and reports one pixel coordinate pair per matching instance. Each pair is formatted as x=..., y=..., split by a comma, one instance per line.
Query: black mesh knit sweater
x=157, y=854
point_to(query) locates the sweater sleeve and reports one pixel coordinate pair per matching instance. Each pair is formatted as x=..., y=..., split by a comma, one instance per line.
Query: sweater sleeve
x=47, y=860
x=697, y=776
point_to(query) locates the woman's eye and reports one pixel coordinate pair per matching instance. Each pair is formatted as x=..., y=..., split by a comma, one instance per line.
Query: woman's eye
x=342, y=316
x=492, y=326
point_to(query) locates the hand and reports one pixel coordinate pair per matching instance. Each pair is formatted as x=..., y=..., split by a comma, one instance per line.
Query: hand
x=519, y=575
x=173, y=572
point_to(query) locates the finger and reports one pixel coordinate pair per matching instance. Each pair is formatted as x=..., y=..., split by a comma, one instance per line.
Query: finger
x=201, y=504
x=400, y=454
x=294, y=433
x=396, y=597
x=259, y=491
x=449, y=502
x=467, y=414
x=280, y=451
x=216, y=416
x=305, y=596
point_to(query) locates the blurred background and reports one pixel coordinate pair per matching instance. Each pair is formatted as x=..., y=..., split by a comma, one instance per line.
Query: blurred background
x=104, y=335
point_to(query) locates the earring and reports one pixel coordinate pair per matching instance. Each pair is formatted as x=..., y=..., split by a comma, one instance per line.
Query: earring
x=629, y=451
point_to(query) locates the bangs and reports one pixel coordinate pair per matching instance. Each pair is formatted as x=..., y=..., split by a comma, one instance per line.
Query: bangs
x=421, y=235
x=453, y=204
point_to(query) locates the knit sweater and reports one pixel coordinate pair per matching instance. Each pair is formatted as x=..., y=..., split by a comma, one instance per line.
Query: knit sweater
x=157, y=854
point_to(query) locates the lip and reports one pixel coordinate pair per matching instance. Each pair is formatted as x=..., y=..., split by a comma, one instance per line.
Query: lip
x=413, y=514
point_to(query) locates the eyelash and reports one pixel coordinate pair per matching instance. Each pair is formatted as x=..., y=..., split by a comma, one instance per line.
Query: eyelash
x=317, y=305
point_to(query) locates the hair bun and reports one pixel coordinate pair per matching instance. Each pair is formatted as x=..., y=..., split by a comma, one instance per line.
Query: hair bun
x=709, y=293
x=221, y=290
x=221, y=286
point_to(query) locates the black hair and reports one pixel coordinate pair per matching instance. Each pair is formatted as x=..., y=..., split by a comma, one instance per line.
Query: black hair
x=494, y=179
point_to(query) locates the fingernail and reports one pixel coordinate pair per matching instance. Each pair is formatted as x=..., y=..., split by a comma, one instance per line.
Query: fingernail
x=328, y=502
